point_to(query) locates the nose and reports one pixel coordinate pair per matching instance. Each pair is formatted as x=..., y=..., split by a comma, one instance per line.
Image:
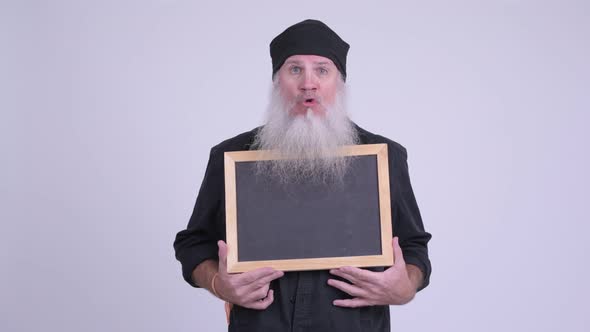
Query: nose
x=309, y=82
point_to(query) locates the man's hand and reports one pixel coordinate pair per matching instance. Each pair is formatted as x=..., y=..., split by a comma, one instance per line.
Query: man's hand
x=249, y=289
x=392, y=286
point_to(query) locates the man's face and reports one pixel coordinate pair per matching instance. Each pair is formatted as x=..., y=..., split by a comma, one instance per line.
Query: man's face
x=308, y=82
x=311, y=86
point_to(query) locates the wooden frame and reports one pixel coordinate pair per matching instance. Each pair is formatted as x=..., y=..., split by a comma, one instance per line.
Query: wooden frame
x=386, y=257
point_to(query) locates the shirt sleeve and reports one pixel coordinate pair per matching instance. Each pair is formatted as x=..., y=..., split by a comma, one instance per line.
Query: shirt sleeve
x=198, y=242
x=407, y=221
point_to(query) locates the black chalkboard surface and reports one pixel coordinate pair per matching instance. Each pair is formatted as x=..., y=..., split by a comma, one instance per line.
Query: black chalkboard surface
x=306, y=225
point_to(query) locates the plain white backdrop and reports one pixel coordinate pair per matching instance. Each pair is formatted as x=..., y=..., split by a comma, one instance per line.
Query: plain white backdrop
x=109, y=109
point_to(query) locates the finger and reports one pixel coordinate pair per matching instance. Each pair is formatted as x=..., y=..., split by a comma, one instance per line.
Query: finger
x=398, y=253
x=253, y=276
x=264, y=303
x=347, y=288
x=222, y=253
x=359, y=274
x=266, y=279
x=354, y=274
x=351, y=303
x=260, y=293
x=256, y=294
x=341, y=274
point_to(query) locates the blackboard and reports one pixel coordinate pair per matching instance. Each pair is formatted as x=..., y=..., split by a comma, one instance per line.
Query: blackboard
x=306, y=225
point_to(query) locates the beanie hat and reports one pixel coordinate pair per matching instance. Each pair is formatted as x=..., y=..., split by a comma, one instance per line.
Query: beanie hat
x=309, y=37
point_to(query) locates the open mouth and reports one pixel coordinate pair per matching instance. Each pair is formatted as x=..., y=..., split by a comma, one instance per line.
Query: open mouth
x=309, y=102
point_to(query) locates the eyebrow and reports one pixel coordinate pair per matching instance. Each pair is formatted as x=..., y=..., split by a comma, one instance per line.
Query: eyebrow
x=320, y=63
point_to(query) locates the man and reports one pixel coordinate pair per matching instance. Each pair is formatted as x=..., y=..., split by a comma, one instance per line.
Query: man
x=307, y=121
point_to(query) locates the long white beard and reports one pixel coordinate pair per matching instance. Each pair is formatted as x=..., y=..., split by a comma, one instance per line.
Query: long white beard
x=308, y=142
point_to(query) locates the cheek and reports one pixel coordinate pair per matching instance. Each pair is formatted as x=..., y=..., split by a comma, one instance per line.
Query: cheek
x=330, y=94
x=288, y=89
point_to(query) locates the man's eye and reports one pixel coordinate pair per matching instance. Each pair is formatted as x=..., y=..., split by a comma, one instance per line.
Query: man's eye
x=295, y=70
x=323, y=71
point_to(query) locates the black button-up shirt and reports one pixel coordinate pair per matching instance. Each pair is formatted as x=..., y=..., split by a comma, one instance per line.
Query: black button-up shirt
x=302, y=300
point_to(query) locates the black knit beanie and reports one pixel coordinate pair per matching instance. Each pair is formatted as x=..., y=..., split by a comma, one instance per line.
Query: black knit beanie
x=309, y=37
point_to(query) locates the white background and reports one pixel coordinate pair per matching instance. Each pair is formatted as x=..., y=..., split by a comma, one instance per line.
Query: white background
x=109, y=108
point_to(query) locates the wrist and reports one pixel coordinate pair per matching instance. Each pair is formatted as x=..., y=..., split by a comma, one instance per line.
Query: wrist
x=415, y=275
x=213, y=289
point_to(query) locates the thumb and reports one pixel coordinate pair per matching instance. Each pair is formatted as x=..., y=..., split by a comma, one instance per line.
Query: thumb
x=222, y=253
x=397, y=253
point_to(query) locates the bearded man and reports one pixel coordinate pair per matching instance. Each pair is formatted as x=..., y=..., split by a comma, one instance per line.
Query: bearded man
x=307, y=121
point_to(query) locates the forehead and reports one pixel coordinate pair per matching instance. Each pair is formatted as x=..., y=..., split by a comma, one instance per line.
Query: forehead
x=309, y=59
